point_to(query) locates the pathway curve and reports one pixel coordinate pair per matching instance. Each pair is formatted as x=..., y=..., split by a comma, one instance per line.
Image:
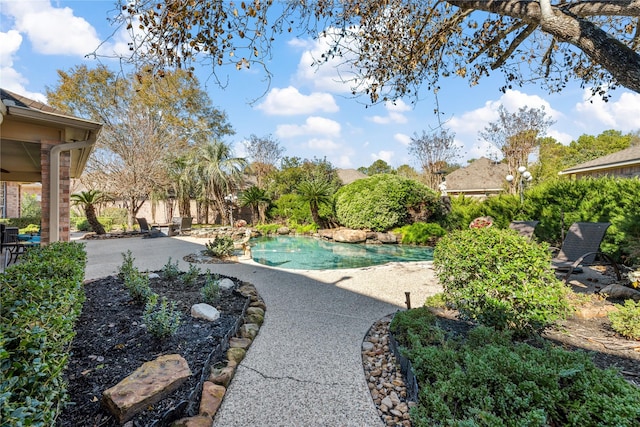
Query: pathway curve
x=305, y=366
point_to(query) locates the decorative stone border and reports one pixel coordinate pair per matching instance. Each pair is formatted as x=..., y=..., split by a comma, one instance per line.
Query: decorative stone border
x=215, y=383
x=385, y=378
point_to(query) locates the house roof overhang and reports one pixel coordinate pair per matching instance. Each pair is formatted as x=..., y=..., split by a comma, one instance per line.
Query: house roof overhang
x=602, y=168
x=22, y=131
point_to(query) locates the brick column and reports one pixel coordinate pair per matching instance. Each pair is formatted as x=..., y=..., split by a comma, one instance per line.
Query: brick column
x=65, y=183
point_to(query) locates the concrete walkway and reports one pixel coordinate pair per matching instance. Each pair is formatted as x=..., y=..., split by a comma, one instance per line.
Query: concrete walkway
x=305, y=366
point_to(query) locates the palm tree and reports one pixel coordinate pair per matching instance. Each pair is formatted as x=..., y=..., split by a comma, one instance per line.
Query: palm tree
x=316, y=192
x=217, y=173
x=88, y=199
x=258, y=200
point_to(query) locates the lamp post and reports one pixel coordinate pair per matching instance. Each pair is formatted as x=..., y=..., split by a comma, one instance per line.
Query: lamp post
x=523, y=175
x=231, y=199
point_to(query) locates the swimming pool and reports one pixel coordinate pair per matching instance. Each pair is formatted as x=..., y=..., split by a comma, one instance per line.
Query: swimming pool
x=308, y=253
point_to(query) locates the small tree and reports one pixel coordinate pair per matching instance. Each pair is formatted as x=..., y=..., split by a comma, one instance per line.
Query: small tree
x=316, y=192
x=517, y=134
x=88, y=200
x=258, y=200
x=434, y=151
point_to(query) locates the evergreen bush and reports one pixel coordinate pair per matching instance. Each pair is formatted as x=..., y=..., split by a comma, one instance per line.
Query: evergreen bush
x=500, y=279
x=421, y=233
x=384, y=201
x=40, y=301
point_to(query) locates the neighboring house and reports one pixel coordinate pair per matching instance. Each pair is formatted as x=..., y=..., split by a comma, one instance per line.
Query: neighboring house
x=482, y=178
x=623, y=164
x=41, y=144
x=347, y=176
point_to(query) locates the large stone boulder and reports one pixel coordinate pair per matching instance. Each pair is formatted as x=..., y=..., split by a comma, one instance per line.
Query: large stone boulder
x=346, y=235
x=147, y=385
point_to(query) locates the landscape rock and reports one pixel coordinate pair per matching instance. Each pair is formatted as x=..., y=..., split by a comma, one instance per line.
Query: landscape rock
x=212, y=395
x=346, y=235
x=147, y=385
x=386, y=238
x=235, y=342
x=235, y=355
x=249, y=330
x=226, y=284
x=197, y=421
x=222, y=376
x=620, y=292
x=205, y=311
x=283, y=230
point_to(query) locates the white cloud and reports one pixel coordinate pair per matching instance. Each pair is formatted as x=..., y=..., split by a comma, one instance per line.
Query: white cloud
x=323, y=144
x=12, y=80
x=9, y=44
x=51, y=30
x=312, y=126
x=383, y=155
x=333, y=75
x=402, y=139
x=394, y=115
x=596, y=115
x=289, y=101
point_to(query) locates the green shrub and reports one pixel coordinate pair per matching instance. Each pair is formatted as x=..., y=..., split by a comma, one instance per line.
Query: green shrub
x=488, y=380
x=117, y=215
x=220, y=246
x=40, y=301
x=415, y=327
x=189, y=278
x=384, y=201
x=162, y=320
x=438, y=300
x=421, y=233
x=21, y=222
x=291, y=207
x=211, y=290
x=303, y=228
x=500, y=279
x=605, y=199
x=138, y=286
x=266, y=229
x=626, y=320
x=29, y=229
x=170, y=271
x=127, y=268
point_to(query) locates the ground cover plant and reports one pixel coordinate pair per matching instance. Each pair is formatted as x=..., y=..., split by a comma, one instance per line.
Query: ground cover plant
x=481, y=376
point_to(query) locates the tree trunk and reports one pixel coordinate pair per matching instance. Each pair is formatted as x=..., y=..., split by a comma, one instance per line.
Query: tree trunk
x=92, y=219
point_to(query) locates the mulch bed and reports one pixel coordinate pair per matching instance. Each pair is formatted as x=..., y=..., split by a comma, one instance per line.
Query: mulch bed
x=111, y=342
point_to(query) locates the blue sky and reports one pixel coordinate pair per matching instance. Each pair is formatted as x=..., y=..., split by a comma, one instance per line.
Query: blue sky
x=310, y=112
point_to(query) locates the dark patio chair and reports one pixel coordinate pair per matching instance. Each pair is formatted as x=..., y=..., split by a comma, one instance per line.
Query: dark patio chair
x=146, y=230
x=581, y=245
x=182, y=224
x=524, y=228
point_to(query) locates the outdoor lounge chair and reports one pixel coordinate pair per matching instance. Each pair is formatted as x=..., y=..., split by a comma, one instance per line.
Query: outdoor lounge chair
x=525, y=228
x=183, y=224
x=581, y=245
x=146, y=230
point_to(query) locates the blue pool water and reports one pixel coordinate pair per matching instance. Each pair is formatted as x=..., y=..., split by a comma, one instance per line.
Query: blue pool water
x=308, y=253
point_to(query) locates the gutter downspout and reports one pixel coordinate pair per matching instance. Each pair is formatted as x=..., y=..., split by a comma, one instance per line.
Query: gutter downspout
x=54, y=185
